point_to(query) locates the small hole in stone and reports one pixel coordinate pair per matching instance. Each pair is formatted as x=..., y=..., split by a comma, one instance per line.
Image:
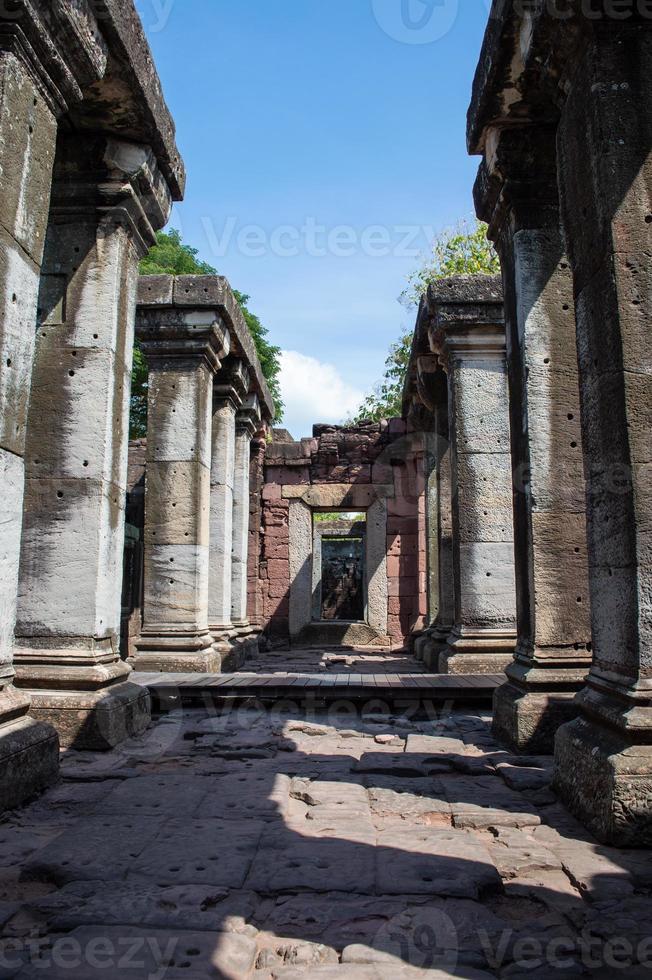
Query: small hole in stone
x=573, y=445
x=577, y=551
x=71, y=373
x=565, y=307
x=59, y=494
x=579, y=598
x=570, y=416
x=171, y=581
x=546, y=360
x=14, y=299
x=95, y=336
x=648, y=219
x=85, y=462
x=8, y=362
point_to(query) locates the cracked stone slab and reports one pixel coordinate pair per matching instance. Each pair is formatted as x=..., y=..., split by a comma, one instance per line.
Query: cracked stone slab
x=398, y=764
x=333, y=859
x=275, y=952
x=484, y=801
x=144, y=903
x=408, y=799
x=524, y=778
x=592, y=871
x=433, y=861
x=518, y=855
x=135, y=954
x=95, y=848
x=212, y=852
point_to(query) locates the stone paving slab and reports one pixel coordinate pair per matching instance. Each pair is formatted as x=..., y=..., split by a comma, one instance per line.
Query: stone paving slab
x=132, y=953
x=433, y=862
x=97, y=848
x=329, y=854
x=212, y=852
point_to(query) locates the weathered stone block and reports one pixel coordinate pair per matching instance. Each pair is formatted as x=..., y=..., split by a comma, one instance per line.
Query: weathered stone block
x=11, y=515
x=18, y=299
x=177, y=503
x=29, y=132
x=179, y=413
x=177, y=585
x=69, y=560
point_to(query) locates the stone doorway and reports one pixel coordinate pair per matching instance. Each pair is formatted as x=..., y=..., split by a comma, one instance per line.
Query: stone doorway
x=339, y=567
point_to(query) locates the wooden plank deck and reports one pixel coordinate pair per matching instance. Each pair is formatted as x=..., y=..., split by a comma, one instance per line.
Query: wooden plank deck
x=189, y=688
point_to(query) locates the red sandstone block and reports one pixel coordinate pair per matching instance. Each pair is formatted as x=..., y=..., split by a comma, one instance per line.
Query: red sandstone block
x=278, y=589
x=272, y=491
x=403, y=586
x=276, y=549
x=402, y=506
x=401, y=525
x=295, y=477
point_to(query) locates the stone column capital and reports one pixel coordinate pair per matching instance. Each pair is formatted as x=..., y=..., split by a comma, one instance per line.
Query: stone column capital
x=231, y=385
x=168, y=335
x=117, y=181
x=516, y=186
x=249, y=417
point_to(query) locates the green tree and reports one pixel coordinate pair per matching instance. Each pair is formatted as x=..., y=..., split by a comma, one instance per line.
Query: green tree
x=171, y=257
x=465, y=250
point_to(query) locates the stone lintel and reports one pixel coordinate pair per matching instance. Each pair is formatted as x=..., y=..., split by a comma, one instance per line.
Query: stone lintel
x=467, y=317
x=215, y=292
x=183, y=334
x=335, y=495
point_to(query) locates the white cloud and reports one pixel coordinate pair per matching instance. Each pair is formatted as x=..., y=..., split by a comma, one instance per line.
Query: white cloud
x=314, y=392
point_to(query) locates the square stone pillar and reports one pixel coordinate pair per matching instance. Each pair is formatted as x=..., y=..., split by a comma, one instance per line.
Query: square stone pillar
x=183, y=347
x=247, y=424
x=516, y=193
x=230, y=390
x=108, y=197
x=28, y=131
x=468, y=334
x=604, y=758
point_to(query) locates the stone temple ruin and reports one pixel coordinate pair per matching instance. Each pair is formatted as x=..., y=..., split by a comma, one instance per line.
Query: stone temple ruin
x=500, y=531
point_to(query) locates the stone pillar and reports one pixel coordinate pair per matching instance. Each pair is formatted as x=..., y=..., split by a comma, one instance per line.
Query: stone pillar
x=517, y=194
x=604, y=758
x=28, y=128
x=247, y=424
x=469, y=335
x=257, y=480
x=229, y=390
x=108, y=197
x=183, y=348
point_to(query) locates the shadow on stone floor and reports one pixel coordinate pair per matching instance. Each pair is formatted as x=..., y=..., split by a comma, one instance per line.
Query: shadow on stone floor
x=256, y=844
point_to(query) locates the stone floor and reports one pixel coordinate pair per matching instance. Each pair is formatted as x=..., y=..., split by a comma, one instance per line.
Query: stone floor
x=267, y=844
x=357, y=660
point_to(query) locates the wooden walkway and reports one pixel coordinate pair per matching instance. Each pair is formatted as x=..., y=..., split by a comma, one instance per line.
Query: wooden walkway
x=324, y=688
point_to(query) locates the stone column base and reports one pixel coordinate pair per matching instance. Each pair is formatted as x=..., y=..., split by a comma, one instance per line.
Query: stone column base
x=606, y=782
x=527, y=721
x=94, y=720
x=235, y=645
x=29, y=751
x=176, y=653
x=486, y=652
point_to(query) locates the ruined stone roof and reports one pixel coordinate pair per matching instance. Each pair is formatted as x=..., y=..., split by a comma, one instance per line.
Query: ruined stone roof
x=97, y=71
x=213, y=292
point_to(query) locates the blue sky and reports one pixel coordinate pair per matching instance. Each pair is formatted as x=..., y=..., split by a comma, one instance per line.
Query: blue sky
x=323, y=138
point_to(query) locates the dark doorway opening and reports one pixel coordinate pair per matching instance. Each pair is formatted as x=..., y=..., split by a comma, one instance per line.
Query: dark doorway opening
x=342, y=579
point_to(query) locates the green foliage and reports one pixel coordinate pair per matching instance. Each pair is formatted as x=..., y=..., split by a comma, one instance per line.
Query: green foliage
x=172, y=258
x=463, y=251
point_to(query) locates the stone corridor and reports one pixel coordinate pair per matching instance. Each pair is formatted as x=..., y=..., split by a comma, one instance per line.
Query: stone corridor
x=251, y=843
